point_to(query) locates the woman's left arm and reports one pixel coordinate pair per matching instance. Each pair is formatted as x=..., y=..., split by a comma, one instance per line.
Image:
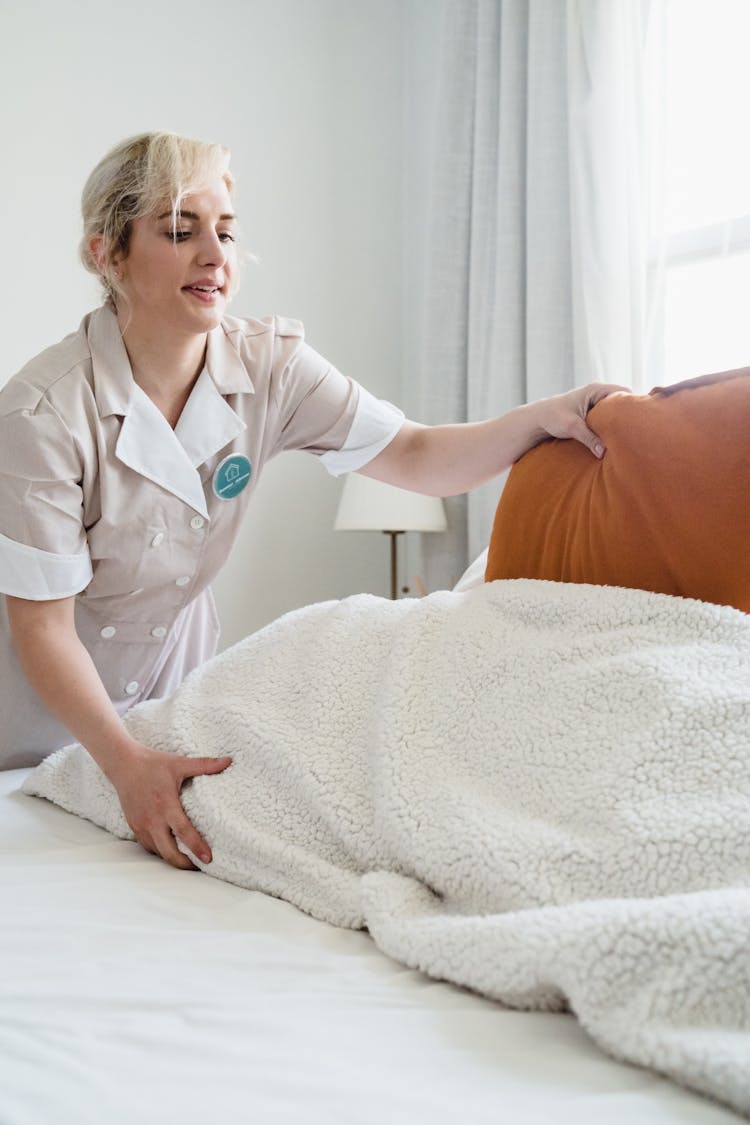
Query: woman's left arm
x=447, y=460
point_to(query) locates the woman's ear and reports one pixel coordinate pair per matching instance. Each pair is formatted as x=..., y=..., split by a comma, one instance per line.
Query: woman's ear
x=96, y=248
x=105, y=264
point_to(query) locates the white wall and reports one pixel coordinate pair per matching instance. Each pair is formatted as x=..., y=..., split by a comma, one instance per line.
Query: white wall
x=311, y=96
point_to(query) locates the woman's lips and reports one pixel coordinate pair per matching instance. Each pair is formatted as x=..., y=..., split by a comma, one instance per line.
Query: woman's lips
x=207, y=296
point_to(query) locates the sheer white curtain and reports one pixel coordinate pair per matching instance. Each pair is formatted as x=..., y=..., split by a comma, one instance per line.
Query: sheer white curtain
x=538, y=276
x=616, y=104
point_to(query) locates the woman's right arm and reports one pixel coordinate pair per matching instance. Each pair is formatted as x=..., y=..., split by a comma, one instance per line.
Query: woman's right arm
x=148, y=782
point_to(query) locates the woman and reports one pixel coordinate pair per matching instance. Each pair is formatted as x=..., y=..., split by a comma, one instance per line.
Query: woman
x=129, y=453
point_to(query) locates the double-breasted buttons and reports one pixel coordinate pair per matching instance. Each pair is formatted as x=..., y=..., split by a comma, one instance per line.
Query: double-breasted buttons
x=132, y=687
x=107, y=632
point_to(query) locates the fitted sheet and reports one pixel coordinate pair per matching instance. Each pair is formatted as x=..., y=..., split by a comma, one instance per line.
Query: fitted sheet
x=131, y=991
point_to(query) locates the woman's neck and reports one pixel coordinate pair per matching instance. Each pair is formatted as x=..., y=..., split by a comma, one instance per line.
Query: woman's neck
x=164, y=366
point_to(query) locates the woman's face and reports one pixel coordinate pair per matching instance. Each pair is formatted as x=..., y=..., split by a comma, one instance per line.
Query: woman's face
x=179, y=277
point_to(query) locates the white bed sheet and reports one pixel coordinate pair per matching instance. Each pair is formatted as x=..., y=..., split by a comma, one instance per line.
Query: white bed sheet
x=134, y=992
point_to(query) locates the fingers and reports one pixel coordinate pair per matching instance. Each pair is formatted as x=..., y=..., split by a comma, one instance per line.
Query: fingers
x=159, y=837
x=598, y=391
x=174, y=824
x=580, y=431
x=169, y=851
x=166, y=849
x=146, y=842
x=159, y=819
x=179, y=822
x=193, y=767
x=594, y=393
x=184, y=828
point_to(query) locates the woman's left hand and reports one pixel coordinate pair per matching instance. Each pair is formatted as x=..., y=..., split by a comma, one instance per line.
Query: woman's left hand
x=564, y=416
x=451, y=459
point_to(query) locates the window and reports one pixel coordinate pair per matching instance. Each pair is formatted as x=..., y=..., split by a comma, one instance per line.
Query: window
x=707, y=188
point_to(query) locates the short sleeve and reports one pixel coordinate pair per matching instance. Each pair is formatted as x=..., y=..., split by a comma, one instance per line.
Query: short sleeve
x=326, y=413
x=43, y=548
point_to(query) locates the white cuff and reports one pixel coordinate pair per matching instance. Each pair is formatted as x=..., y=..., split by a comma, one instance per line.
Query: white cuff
x=375, y=425
x=27, y=572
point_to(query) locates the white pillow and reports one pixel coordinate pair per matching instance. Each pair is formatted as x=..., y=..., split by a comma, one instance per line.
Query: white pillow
x=473, y=575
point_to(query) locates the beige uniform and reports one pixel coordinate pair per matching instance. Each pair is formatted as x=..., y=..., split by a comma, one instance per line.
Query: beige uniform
x=102, y=499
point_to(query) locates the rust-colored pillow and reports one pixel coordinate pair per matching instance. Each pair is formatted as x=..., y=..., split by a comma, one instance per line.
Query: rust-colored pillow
x=667, y=508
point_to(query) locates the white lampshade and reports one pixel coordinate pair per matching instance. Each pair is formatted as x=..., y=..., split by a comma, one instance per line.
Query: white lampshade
x=370, y=505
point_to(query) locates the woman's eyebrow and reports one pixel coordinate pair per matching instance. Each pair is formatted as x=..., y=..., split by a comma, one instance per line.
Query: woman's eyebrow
x=192, y=215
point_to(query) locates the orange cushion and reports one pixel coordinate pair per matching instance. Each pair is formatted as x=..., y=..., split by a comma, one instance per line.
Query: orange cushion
x=667, y=508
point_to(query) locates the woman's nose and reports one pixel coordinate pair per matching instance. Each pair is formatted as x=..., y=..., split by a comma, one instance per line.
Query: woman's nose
x=211, y=250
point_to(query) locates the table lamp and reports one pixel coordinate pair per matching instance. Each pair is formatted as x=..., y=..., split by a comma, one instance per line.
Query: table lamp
x=370, y=505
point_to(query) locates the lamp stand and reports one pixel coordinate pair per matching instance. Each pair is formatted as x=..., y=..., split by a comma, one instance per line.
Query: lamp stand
x=394, y=563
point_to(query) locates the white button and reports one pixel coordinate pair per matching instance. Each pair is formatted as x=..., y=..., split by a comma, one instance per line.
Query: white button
x=107, y=631
x=158, y=538
x=197, y=522
x=183, y=581
x=132, y=687
x=158, y=631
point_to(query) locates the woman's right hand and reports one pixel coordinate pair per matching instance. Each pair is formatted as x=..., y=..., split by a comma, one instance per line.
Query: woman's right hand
x=148, y=783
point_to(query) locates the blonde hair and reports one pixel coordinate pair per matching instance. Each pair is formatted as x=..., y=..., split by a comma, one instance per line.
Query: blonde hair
x=137, y=177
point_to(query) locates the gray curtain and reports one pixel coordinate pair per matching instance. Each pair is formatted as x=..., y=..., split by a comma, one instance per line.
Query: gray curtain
x=527, y=279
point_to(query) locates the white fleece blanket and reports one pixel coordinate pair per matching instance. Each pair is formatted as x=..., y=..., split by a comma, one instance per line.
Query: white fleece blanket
x=538, y=791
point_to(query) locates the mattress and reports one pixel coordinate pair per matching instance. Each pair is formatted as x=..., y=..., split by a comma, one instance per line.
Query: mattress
x=132, y=991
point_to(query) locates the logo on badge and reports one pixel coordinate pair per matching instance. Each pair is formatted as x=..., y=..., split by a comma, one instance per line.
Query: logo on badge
x=231, y=476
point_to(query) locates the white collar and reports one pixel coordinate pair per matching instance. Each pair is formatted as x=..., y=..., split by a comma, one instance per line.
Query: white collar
x=207, y=422
x=113, y=377
x=147, y=443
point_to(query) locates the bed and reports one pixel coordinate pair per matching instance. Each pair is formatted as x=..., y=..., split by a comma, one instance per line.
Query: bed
x=132, y=991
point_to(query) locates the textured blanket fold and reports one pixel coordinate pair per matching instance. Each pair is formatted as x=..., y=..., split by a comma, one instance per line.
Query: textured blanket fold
x=539, y=791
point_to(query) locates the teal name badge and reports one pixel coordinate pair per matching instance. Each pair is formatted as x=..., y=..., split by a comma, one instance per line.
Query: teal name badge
x=231, y=476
